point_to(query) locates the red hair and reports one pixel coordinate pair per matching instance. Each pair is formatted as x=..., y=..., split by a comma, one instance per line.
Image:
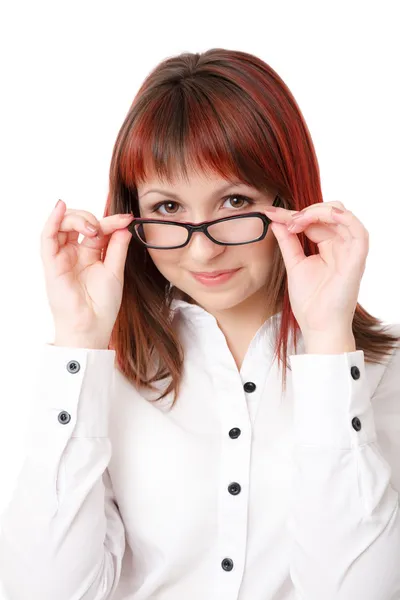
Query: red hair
x=229, y=113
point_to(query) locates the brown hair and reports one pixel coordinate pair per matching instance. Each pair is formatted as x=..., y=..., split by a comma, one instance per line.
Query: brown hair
x=226, y=112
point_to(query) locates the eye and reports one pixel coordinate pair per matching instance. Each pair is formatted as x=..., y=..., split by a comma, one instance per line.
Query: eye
x=168, y=205
x=239, y=201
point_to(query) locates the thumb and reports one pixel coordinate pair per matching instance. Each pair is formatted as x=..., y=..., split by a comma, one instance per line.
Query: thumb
x=289, y=243
x=116, y=252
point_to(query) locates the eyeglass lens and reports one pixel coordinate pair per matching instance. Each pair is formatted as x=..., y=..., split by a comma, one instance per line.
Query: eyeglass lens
x=235, y=231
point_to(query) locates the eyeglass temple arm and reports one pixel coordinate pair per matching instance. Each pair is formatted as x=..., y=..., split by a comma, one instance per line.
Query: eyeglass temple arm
x=278, y=201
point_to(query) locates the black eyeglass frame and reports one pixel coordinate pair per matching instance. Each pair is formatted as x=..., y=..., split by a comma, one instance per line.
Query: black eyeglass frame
x=203, y=227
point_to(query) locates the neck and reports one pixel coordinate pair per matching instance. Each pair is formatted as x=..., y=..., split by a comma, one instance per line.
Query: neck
x=240, y=323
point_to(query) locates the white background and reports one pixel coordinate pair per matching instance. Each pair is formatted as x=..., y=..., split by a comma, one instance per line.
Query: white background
x=69, y=72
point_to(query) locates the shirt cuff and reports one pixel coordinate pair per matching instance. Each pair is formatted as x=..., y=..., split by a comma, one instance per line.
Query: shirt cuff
x=73, y=389
x=332, y=405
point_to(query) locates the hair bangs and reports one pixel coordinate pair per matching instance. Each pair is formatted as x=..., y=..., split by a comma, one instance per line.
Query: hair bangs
x=222, y=112
x=192, y=128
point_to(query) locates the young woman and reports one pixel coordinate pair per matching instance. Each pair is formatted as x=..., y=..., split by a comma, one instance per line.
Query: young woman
x=218, y=418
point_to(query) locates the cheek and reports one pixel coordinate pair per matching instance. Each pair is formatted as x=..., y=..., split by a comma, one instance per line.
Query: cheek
x=165, y=260
x=259, y=253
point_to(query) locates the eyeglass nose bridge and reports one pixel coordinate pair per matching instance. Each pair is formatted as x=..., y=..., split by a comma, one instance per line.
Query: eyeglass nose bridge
x=200, y=228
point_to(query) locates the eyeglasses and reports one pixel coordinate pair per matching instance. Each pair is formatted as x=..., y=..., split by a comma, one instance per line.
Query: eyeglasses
x=229, y=231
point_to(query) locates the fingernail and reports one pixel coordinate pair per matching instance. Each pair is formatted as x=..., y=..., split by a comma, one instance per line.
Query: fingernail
x=57, y=203
x=90, y=227
x=271, y=208
x=337, y=210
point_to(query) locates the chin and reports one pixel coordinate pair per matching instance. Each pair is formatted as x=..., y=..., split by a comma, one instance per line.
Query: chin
x=213, y=300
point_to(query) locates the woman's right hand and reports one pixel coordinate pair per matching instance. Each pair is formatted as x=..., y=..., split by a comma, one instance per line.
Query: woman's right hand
x=84, y=281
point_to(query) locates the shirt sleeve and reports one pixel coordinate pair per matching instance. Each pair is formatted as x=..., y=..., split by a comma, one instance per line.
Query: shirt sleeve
x=344, y=520
x=61, y=534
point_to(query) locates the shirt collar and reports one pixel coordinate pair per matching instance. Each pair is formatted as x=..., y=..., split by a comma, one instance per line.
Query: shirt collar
x=203, y=320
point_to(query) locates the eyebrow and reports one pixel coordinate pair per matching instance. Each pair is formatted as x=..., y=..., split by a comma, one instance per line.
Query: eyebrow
x=222, y=189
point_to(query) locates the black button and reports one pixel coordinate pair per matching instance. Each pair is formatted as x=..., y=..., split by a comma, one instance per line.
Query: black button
x=234, y=488
x=356, y=423
x=234, y=433
x=249, y=387
x=227, y=564
x=355, y=372
x=64, y=417
x=73, y=366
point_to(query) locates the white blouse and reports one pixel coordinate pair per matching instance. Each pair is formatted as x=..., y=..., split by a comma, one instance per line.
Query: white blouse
x=240, y=492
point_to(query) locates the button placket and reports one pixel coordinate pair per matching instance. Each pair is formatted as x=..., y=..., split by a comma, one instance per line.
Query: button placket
x=234, y=462
x=254, y=373
x=233, y=500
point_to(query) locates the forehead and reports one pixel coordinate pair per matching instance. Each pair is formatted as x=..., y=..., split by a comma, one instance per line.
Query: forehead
x=204, y=180
x=193, y=178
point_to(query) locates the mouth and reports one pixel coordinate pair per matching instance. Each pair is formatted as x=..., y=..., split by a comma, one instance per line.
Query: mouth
x=214, y=277
x=212, y=273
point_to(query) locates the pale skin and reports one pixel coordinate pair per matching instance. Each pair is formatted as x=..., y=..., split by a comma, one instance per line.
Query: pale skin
x=240, y=305
x=323, y=288
x=85, y=288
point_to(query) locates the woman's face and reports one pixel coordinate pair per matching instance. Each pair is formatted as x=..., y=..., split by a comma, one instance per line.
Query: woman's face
x=205, y=198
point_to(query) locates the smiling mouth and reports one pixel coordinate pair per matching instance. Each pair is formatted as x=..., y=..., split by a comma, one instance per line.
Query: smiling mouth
x=213, y=273
x=213, y=278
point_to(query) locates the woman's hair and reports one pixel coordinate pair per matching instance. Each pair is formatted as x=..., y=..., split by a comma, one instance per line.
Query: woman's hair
x=229, y=113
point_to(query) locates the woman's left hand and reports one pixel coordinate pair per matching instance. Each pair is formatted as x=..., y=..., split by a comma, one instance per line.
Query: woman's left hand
x=323, y=288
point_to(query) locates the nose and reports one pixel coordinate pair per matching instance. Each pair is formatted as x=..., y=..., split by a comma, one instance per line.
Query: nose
x=202, y=249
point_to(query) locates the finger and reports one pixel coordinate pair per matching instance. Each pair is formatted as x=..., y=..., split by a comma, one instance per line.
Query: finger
x=49, y=239
x=352, y=224
x=63, y=225
x=116, y=252
x=88, y=216
x=89, y=222
x=107, y=227
x=320, y=208
x=66, y=225
x=348, y=226
x=74, y=224
x=283, y=215
x=279, y=214
x=319, y=229
x=291, y=248
x=318, y=205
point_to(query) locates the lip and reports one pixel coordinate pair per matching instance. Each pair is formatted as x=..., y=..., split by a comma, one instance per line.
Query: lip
x=214, y=278
x=213, y=273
